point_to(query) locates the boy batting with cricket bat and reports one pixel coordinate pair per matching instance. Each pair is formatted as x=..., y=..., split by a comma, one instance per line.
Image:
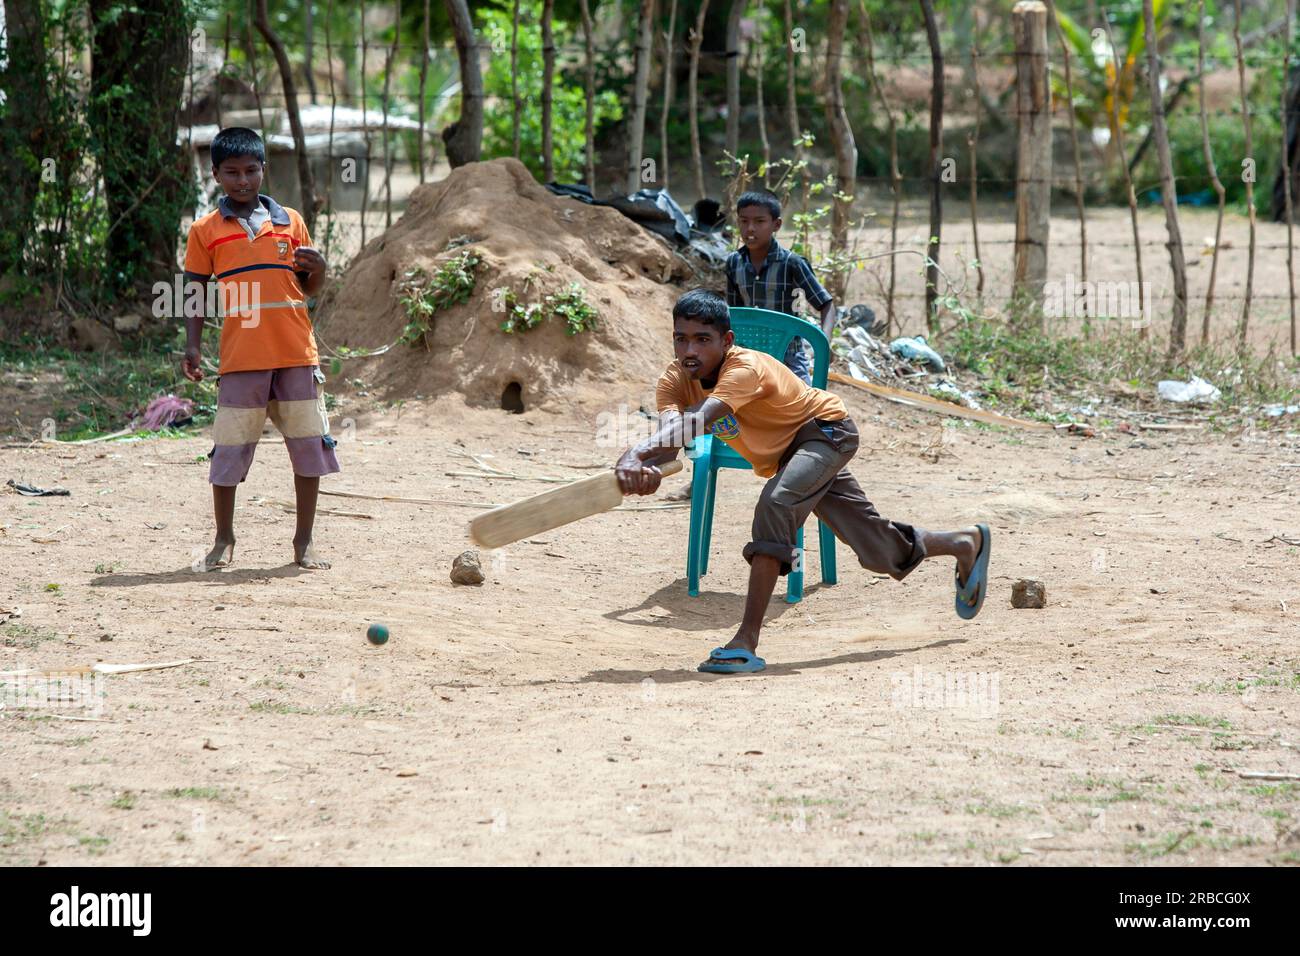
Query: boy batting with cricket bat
x=800, y=439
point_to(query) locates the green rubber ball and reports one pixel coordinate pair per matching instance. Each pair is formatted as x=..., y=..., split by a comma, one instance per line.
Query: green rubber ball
x=377, y=633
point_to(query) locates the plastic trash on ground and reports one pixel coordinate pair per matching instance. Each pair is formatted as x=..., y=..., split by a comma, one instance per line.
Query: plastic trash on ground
x=916, y=349
x=951, y=393
x=1277, y=411
x=1196, y=390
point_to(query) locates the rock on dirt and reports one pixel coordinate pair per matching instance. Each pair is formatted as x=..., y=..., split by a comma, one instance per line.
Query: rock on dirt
x=1028, y=593
x=467, y=569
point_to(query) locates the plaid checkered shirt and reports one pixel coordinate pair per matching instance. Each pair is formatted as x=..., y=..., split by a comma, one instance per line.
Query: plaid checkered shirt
x=772, y=287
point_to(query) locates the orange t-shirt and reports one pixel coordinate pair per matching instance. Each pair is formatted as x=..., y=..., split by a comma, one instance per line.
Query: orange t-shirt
x=769, y=404
x=265, y=322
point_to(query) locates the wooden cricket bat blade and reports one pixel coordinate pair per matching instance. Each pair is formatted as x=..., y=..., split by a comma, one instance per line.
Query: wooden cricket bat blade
x=550, y=509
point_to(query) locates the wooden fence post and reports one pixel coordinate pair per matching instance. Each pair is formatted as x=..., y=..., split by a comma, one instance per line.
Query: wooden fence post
x=1033, y=157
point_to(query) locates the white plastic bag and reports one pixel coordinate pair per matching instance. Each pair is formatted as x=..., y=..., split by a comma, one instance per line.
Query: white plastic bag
x=1197, y=390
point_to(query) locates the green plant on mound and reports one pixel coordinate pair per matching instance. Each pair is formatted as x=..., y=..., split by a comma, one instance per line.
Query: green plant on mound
x=423, y=296
x=569, y=304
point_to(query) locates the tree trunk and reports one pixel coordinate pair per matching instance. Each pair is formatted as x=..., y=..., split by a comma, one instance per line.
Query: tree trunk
x=308, y=31
x=464, y=137
x=306, y=184
x=388, y=77
x=895, y=177
x=791, y=103
x=733, y=75
x=693, y=98
x=1286, y=172
x=517, y=103
x=25, y=135
x=587, y=30
x=1118, y=126
x=640, y=95
x=424, y=79
x=669, y=40
x=758, y=97
x=1208, y=152
x=365, y=122
x=846, y=151
x=548, y=78
x=1078, y=164
x=1244, y=324
x=1168, y=190
x=1033, y=160
x=1291, y=137
x=936, y=152
x=146, y=176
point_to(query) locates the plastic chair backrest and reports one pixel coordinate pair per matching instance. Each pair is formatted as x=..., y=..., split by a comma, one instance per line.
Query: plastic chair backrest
x=766, y=331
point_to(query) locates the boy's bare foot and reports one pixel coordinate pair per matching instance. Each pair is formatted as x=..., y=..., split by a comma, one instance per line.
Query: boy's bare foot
x=305, y=556
x=221, y=556
x=742, y=641
x=968, y=544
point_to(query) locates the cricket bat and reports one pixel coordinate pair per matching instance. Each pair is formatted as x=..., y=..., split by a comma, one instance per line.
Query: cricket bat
x=550, y=509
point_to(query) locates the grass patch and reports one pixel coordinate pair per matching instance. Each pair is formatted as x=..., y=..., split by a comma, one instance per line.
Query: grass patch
x=98, y=391
x=1193, y=720
x=27, y=635
x=1101, y=791
x=805, y=801
x=1016, y=362
x=1272, y=791
x=999, y=810
x=276, y=707
x=19, y=827
x=95, y=845
x=1185, y=842
x=1271, y=679
x=194, y=793
x=124, y=801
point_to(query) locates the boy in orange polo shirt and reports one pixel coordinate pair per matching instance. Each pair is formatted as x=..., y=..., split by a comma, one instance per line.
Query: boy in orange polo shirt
x=262, y=259
x=800, y=439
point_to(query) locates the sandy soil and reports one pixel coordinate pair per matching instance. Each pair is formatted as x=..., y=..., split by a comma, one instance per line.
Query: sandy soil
x=554, y=714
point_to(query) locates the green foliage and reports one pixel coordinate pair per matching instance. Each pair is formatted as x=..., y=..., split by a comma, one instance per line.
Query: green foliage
x=423, y=296
x=520, y=317
x=569, y=304
x=98, y=391
x=568, y=106
x=1017, y=362
x=1228, y=140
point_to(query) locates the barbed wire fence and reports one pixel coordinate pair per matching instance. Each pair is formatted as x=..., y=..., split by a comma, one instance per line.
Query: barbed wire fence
x=1079, y=185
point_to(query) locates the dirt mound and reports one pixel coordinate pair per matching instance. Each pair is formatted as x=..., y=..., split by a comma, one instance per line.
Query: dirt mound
x=533, y=244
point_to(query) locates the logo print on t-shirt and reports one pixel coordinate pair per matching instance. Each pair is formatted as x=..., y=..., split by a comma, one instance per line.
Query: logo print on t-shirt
x=282, y=246
x=726, y=427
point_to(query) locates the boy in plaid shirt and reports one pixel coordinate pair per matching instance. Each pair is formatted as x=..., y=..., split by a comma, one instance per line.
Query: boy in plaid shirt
x=763, y=275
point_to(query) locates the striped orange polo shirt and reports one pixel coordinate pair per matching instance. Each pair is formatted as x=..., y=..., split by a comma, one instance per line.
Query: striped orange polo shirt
x=265, y=324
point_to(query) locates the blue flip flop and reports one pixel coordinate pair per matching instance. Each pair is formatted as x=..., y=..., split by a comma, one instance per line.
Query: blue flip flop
x=736, y=660
x=970, y=597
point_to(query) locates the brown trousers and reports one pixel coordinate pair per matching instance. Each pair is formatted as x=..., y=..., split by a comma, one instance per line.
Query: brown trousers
x=813, y=479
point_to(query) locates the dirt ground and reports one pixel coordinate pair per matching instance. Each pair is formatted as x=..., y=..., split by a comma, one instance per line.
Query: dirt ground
x=554, y=714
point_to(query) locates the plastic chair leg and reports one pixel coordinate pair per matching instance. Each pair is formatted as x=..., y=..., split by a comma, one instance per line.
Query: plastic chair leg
x=794, y=580
x=706, y=537
x=827, y=548
x=699, y=471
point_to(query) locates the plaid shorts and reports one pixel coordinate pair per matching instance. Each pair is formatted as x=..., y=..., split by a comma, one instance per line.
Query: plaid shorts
x=294, y=401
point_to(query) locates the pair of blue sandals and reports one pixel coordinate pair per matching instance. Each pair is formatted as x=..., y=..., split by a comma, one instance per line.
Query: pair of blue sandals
x=970, y=598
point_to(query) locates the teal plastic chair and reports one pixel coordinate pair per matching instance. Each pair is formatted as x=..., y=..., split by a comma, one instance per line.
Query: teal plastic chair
x=763, y=331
